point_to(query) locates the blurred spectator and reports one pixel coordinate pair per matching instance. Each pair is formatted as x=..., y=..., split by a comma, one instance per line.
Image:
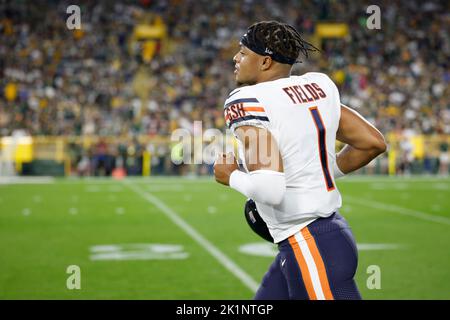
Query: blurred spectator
x=443, y=159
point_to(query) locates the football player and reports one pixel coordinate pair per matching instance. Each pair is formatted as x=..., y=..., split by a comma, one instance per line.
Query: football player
x=286, y=127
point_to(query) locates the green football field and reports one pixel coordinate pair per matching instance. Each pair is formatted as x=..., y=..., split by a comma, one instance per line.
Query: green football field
x=173, y=238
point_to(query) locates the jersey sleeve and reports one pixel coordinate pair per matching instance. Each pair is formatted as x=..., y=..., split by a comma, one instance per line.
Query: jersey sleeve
x=243, y=108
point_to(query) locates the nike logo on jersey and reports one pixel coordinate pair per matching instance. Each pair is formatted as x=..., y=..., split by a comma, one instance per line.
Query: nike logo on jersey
x=283, y=262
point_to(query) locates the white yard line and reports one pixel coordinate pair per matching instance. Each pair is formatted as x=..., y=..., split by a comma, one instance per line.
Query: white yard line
x=170, y=179
x=378, y=246
x=150, y=181
x=398, y=210
x=223, y=259
x=26, y=180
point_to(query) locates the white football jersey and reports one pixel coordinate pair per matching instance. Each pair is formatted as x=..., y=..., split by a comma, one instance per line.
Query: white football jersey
x=302, y=113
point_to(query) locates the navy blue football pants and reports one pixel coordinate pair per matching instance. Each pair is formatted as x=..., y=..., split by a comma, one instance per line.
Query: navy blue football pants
x=318, y=262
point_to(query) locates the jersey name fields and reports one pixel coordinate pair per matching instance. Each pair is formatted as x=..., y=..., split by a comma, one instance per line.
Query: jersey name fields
x=304, y=93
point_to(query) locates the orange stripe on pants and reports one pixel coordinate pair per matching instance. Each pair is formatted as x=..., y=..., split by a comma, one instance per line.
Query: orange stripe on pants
x=319, y=263
x=303, y=268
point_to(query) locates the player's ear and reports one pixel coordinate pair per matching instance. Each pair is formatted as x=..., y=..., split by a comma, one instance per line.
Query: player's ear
x=266, y=63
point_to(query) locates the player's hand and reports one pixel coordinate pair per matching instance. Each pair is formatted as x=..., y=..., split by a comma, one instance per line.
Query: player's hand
x=223, y=167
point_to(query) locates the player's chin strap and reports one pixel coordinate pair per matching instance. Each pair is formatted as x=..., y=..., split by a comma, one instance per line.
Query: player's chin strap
x=264, y=186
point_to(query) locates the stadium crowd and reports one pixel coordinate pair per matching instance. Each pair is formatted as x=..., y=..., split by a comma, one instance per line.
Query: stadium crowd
x=94, y=81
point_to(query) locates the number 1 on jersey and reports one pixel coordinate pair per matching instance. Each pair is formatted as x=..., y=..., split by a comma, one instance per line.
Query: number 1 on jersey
x=321, y=132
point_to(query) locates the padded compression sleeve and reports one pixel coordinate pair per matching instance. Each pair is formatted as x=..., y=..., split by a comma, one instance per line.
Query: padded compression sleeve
x=337, y=172
x=264, y=186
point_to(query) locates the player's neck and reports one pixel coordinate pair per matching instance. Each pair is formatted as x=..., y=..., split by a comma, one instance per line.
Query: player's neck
x=271, y=76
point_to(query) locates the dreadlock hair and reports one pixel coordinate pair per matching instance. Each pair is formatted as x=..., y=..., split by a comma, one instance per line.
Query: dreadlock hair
x=280, y=39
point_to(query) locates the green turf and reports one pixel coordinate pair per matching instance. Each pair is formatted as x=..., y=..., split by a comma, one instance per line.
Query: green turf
x=44, y=228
